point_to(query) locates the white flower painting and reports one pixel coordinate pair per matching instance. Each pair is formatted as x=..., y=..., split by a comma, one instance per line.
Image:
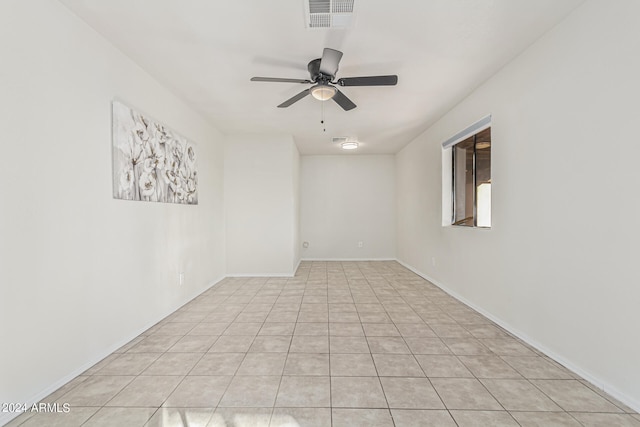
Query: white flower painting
x=151, y=162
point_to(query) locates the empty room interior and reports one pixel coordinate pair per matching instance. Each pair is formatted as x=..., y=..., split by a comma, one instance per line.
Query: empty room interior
x=319, y=213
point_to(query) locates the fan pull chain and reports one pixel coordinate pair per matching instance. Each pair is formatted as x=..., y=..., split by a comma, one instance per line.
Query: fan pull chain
x=322, y=116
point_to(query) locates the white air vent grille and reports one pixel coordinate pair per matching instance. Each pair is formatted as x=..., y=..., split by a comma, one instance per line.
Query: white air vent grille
x=319, y=6
x=320, y=20
x=341, y=6
x=339, y=139
x=328, y=13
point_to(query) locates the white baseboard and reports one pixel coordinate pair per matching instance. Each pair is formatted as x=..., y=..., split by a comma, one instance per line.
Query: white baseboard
x=292, y=274
x=214, y=282
x=597, y=382
x=5, y=418
x=285, y=275
x=347, y=259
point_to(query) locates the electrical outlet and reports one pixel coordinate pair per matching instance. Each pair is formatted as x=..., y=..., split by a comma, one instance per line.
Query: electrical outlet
x=305, y=245
x=433, y=261
x=360, y=244
x=181, y=278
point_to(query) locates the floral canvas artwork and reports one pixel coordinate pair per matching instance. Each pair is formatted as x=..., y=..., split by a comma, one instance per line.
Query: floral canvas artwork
x=150, y=162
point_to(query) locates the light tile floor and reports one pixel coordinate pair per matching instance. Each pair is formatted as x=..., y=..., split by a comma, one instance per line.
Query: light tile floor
x=340, y=344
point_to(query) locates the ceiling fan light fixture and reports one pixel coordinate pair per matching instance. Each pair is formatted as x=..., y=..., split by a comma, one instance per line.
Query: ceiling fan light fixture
x=323, y=92
x=349, y=145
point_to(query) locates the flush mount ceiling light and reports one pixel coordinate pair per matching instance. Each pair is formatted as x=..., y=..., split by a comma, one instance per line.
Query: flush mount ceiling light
x=323, y=92
x=350, y=145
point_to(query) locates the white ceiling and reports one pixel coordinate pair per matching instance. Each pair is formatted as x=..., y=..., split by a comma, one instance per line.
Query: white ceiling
x=206, y=51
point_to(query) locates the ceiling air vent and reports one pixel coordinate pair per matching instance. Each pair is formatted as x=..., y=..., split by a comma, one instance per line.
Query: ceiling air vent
x=342, y=6
x=339, y=139
x=320, y=20
x=319, y=6
x=328, y=13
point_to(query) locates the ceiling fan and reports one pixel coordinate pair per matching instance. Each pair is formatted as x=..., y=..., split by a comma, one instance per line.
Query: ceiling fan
x=323, y=72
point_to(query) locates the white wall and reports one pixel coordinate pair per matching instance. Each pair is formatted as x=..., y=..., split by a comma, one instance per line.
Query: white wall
x=80, y=272
x=348, y=199
x=559, y=266
x=260, y=201
x=296, y=207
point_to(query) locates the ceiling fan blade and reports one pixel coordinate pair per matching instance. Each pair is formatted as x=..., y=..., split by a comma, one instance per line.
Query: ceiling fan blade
x=330, y=61
x=278, y=80
x=295, y=98
x=368, y=81
x=342, y=100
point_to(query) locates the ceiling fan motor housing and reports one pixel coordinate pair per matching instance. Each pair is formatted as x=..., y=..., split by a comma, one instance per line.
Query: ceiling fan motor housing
x=316, y=75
